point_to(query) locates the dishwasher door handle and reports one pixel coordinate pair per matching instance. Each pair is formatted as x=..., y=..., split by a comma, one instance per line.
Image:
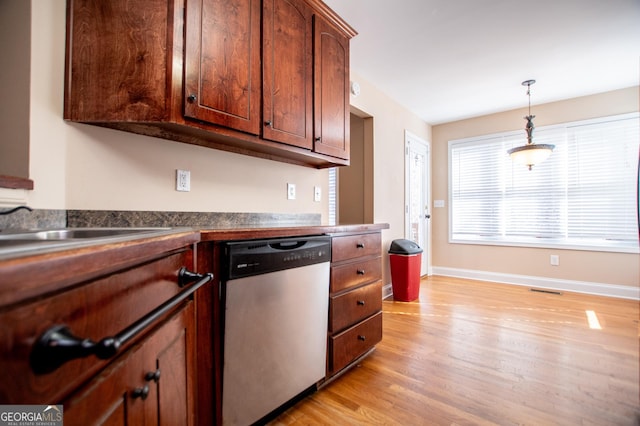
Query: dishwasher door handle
x=287, y=245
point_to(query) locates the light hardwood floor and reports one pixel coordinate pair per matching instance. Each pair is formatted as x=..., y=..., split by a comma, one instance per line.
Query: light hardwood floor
x=475, y=353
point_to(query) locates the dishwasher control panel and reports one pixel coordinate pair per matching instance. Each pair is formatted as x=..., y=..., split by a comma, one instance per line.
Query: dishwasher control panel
x=253, y=257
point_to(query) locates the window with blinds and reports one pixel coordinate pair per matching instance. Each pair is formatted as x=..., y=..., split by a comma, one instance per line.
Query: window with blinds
x=333, y=196
x=585, y=196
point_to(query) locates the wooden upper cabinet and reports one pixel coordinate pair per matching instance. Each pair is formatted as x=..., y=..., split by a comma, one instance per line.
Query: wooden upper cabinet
x=331, y=90
x=267, y=78
x=287, y=82
x=117, y=60
x=222, y=63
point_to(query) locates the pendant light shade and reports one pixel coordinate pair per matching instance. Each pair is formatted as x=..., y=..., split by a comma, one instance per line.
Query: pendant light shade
x=531, y=153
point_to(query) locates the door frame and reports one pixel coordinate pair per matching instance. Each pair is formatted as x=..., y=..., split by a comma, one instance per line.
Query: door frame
x=410, y=138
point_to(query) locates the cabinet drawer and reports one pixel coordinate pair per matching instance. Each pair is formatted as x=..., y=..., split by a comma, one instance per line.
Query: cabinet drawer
x=351, y=307
x=347, y=346
x=109, y=397
x=93, y=310
x=356, y=273
x=353, y=246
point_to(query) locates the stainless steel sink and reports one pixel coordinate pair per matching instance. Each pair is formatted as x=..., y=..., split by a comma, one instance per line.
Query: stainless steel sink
x=76, y=233
x=22, y=242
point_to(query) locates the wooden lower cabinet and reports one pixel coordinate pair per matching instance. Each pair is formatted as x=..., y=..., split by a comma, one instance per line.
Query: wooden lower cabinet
x=136, y=295
x=350, y=344
x=151, y=384
x=355, y=299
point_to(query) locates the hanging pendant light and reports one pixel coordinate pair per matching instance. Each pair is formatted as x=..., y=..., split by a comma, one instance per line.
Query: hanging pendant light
x=531, y=153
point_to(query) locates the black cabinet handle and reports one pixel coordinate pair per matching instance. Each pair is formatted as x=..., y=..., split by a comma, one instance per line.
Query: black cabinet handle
x=360, y=302
x=360, y=271
x=58, y=344
x=318, y=139
x=267, y=123
x=361, y=337
x=152, y=375
x=141, y=393
x=186, y=277
x=360, y=245
x=192, y=98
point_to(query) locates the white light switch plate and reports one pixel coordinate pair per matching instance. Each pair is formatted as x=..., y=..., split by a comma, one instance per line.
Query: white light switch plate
x=317, y=193
x=291, y=191
x=438, y=203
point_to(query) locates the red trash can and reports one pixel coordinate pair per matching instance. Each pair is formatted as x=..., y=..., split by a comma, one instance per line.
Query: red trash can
x=405, y=257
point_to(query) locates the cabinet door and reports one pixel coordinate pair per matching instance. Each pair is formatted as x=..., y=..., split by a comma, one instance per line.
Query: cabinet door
x=288, y=72
x=117, y=60
x=150, y=384
x=222, y=63
x=331, y=90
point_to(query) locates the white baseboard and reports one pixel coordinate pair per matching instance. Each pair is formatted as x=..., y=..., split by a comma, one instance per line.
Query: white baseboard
x=600, y=289
x=387, y=291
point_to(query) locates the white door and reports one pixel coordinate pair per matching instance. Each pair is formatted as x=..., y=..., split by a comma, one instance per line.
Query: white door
x=417, y=213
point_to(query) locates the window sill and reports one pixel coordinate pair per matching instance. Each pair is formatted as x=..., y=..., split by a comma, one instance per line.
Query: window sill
x=13, y=182
x=600, y=246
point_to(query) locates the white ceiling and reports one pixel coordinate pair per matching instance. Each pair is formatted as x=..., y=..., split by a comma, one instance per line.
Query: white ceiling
x=452, y=59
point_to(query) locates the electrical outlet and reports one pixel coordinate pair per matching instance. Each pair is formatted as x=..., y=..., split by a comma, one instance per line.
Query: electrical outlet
x=554, y=259
x=317, y=193
x=291, y=191
x=183, y=180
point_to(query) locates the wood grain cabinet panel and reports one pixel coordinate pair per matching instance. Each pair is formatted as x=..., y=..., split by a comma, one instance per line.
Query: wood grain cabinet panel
x=152, y=384
x=353, y=306
x=99, y=309
x=354, y=342
x=287, y=84
x=222, y=63
x=355, y=273
x=355, y=299
x=331, y=62
x=354, y=246
x=149, y=376
x=262, y=78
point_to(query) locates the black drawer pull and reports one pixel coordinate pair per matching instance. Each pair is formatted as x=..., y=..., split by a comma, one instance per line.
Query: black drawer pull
x=360, y=245
x=361, y=337
x=58, y=344
x=141, y=393
x=152, y=375
x=360, y=302
x=360, y=272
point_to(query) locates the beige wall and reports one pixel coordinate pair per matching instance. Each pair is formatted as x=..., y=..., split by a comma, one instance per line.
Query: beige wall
x=14, y=86
x=351, y=180
x=585, y=266
x=76, y=166
x=390, y=120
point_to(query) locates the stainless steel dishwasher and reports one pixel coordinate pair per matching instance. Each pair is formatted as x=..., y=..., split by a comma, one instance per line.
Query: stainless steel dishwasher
x=276, y=296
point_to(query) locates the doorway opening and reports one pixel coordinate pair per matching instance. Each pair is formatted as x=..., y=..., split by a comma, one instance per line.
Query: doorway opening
x=353, y=200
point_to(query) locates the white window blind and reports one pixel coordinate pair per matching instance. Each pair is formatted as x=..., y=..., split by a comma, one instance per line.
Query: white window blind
x=584, y=196
x=333, y=195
